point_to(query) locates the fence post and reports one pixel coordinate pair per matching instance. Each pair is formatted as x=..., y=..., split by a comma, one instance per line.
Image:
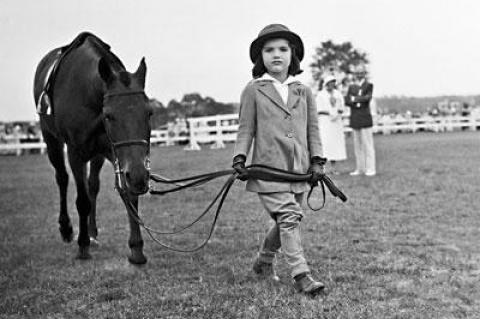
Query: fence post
x=193, y=144
x=218, y=144
x=169, y=141
x=472, y=123
x=16, y=139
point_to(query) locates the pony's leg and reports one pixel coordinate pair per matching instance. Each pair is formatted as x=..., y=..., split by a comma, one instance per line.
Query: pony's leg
x=135, y=242
x=79, y=170
x=57, y=158
x=93, y=187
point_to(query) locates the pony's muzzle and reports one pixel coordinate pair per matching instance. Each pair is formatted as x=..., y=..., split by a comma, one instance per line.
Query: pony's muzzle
x=137, y=179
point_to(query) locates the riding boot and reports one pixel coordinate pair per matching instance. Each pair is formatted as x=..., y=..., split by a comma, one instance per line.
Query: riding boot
x=304, y=283
x=265, y=270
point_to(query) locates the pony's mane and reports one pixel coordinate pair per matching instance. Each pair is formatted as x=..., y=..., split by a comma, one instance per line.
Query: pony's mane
x=103, y=50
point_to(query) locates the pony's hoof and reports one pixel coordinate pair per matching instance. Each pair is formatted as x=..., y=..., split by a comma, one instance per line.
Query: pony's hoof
x=83, y=254
x=94, y=242
x=67, y=234
x=137, y=259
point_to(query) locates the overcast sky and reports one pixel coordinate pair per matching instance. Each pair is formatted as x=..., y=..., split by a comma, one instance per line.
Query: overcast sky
x=416, y=47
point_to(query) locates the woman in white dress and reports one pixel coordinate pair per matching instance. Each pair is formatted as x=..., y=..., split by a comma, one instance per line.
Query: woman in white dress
x=330, y=106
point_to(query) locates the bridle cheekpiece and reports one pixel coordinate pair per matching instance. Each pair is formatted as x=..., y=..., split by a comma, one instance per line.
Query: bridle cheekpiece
x=119, y=174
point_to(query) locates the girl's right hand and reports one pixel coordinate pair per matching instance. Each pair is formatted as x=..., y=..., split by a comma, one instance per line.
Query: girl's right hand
x=239, y=167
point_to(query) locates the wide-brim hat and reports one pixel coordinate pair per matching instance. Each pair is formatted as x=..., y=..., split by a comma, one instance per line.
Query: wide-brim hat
x=329, y=78
x=275, y=31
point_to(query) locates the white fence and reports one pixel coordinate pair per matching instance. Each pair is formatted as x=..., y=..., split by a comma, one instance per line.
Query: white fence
x=166, y=138
x=216, y=130
x=18, y=144
x=387, y=125
x=223, y=128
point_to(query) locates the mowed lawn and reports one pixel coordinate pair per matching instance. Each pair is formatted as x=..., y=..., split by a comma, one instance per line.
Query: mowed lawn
x=405, y=245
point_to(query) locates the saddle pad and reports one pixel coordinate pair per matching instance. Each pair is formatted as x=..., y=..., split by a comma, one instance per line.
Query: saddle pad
x=44, y=106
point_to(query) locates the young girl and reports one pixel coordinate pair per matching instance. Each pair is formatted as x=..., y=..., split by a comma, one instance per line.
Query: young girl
x=279, y=116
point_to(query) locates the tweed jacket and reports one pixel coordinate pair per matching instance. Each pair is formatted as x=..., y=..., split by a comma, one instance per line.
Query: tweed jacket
x=283, y=136
x=358, y=99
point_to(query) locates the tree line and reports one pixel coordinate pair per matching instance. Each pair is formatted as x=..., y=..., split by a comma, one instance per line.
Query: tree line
x=191, y=105
x=338, y=59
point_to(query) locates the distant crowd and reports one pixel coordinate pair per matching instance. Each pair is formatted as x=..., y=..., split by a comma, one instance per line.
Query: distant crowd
x=451, y=109
x=21, y=131
x=15, y=132
x=435, y=111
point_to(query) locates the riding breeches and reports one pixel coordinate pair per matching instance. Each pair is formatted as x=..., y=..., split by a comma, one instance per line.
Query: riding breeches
x=286, y=209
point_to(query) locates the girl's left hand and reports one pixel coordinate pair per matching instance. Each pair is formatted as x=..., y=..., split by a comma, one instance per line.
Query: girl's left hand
x=318, y=171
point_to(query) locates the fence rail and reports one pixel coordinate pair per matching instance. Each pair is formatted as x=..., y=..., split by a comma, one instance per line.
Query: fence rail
x=223, y=128
x=219, y=129
x=435, y=124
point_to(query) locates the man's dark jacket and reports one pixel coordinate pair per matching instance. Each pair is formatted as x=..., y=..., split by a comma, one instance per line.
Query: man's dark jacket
x=360, y=114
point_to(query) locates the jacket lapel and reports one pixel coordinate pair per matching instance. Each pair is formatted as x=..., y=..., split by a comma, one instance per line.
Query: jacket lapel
x=293, y=95
x=362, y=88
x=267, y=89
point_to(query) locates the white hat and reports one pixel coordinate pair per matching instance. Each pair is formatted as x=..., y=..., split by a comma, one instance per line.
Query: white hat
x=361, y=68
x=328, y=78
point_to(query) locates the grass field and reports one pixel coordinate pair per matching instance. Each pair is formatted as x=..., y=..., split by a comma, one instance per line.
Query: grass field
x=405, y=245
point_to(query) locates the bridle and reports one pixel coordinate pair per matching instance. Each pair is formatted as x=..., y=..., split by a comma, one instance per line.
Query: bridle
x=120, y=183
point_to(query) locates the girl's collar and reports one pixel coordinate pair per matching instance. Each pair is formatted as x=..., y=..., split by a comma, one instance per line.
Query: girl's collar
x=268, y=78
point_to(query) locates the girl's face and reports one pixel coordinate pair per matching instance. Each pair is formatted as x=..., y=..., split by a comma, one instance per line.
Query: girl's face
x=277, y=55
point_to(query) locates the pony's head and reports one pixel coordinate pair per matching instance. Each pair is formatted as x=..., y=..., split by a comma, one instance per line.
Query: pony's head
x=126, y=113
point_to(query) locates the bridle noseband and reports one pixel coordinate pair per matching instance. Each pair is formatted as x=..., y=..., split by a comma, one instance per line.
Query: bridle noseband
x=119, y=173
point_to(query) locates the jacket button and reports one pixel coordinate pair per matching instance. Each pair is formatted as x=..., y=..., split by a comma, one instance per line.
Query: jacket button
x=290, y=135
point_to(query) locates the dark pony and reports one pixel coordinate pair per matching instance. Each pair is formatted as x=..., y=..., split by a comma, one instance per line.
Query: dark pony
x=100, y=111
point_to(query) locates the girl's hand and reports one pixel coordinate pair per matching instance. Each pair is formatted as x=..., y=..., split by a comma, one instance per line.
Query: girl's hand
x=317, y=169
x=239, y=167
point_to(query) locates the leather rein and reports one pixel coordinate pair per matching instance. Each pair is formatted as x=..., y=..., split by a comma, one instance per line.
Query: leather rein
x=256, y=171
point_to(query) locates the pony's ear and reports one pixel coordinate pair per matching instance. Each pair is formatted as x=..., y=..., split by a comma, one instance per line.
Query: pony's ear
x=141, y=72
x=105, y=71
